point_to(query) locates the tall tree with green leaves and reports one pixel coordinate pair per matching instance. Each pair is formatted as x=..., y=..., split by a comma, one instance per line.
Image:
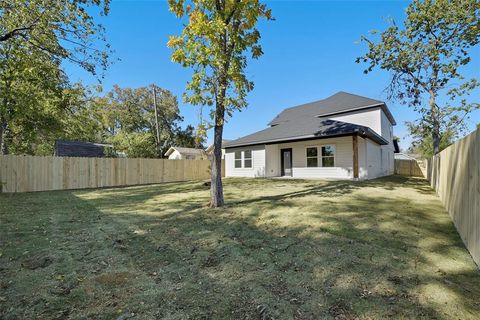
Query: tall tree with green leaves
x=130, y=121
x=425, y=58
x=36, y=37
x=61, y=29
x=215, y=42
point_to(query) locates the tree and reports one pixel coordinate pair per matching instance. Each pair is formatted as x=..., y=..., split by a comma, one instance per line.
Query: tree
x=425, y=58
x=61, y=29
x=422, y=141
x=130, y=123
x=187, y=138
x=36, y=37
x=215, y=43
x=29, y=101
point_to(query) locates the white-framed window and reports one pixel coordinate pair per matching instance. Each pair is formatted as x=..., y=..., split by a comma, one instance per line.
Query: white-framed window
x=328, y=156
x=238, y=159
x=243, y=159
x=247, y=159
x=312, y=157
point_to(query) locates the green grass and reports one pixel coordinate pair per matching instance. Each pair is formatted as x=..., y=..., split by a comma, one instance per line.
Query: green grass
x=280, y=249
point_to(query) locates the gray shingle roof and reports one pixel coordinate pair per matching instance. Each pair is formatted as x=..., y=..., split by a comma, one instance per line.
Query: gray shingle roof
x=67, y=148
x=308, y=121
x=309, y=128
x=338, y=103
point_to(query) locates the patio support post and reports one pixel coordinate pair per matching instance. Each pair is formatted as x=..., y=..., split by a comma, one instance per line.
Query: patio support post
x=355, y=156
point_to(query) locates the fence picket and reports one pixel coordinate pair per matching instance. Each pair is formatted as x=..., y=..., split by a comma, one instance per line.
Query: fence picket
x=32, y=173
x=455, y=175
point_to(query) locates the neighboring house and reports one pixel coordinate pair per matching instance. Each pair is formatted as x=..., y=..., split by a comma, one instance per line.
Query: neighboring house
x=403, y=156
x=66, y=148
x=344, y=136
x=179, y=153
x=210, y=149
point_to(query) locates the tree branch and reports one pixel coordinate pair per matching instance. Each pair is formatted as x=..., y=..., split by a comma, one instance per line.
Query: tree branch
x=14, y=33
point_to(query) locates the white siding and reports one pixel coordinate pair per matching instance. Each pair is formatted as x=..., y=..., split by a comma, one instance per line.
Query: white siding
x=377, y=120
x=343, y=159
x=258, y=160
x=388, y=150
x=362, y=158
x=272, y=164
x=374, y=165
x=370, y=118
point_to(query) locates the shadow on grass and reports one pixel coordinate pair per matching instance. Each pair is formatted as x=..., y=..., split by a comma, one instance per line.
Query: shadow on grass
x=366, y=256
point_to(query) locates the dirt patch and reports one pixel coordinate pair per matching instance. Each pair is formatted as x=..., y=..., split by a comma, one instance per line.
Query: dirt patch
x=114, y=279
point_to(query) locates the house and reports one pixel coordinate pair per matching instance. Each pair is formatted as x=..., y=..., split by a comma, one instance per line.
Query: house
x=344, y=136
x=67, y=148
x=210, y=148
x=179, y=153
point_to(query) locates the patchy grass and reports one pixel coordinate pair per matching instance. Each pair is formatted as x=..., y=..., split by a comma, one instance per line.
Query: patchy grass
x=279, y=249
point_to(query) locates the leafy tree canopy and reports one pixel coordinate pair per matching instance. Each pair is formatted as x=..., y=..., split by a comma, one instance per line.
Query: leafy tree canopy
x=60, y=29
x=425, y=58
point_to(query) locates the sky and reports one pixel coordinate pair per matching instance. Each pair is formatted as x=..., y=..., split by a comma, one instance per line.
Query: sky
x=309, y=54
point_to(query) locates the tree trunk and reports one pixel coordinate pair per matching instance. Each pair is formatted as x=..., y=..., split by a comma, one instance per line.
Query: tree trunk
x=216, y=189
x=3, y=138
x=435, y=123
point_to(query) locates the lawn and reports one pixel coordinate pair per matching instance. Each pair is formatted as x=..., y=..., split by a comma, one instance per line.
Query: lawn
x=280, y=249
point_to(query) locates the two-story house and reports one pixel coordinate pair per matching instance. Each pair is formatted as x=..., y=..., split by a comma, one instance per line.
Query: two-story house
x=344, y=136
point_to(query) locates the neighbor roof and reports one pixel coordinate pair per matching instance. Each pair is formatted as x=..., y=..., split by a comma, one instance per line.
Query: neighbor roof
x=307, y=128
x=211, y=147
x=68, y=148
x=341, y=102
x=183, y=150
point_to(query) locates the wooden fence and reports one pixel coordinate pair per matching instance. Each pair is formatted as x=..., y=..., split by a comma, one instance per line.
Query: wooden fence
x=455, y=175
x=405, y=167
x=29, y=173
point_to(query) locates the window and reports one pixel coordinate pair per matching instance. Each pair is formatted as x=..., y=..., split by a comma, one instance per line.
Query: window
x=312, y=157
x=247, y=159
x=238, y=159
x=328, y=156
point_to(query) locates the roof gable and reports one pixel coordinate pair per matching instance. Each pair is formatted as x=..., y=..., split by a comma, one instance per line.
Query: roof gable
x=340, y=102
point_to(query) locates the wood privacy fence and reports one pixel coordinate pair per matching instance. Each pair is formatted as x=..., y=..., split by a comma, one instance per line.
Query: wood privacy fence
x=455, y=175
x=408, y=168
x=29, y=173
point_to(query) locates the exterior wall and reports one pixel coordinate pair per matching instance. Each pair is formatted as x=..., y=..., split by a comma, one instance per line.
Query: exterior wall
x=377, y=120
x=374, y=160
x=175, y=155
x=272, y=160
x=388, y=150
x=362, y=159
x=369, y=118
x=343, y=159
x=258, y=162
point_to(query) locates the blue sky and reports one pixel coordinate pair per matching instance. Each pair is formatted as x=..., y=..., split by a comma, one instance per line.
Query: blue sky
x=310, y=52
